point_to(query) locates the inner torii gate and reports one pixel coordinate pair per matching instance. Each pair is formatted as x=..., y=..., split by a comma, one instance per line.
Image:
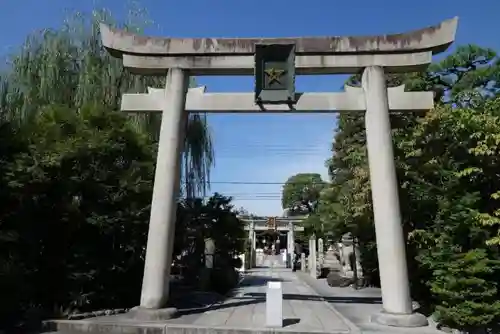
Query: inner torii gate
x=279, y=224
x=274, y=62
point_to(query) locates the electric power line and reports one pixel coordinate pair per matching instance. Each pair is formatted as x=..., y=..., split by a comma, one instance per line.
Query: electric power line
x=251, y=199
x=266, y=183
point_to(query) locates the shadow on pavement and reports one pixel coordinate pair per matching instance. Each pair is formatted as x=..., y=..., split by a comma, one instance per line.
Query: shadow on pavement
x=258, y=281
x=290, y=321
x=339, y=299
x=194, y=300
x=199, y=302
x=256, y=298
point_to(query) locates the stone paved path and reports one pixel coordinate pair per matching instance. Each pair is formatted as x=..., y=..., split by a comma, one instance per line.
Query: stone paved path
x=303, y=309
x=309, y=306
x=358, y=305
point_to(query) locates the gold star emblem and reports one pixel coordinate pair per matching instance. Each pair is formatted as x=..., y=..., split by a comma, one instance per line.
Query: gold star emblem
x=274, y=75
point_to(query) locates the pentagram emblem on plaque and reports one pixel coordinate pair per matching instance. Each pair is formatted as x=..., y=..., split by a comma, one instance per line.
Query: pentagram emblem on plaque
x=274, y=75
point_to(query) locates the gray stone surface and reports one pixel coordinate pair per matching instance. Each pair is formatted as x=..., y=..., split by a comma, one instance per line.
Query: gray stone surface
x=391, y=248
x=140, y=313
x=303, y=311
x=321, y=253
x=312, y=265
x=436, y=38
x=274, y=304
x=399, y=320
x=358, y=306
x=352, y=100
x=244, y=65
x=160, y=242
x=309, y=306
x=303, y=265
x=318, y=55
x=244, y=312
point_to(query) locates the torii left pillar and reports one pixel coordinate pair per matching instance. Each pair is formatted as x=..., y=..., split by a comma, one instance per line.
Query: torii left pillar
x=251, y=240
x=290, y=245
x=156, y=280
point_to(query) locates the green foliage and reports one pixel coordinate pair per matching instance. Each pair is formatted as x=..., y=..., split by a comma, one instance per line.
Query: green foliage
x=312, y=225
x=300, y=196
x=76, y=180
x=69, y=67
x=452, y=206
x=76, y=191
x=76, y=219
x=301, y=188
x=215, y=219
x=447, y=168
x=466, y=287
x=199, y=220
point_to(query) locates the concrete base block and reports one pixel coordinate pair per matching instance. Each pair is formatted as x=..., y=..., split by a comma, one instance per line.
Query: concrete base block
x=399, y=320
x=145, y=314
x=89, y=326
x=123, y=327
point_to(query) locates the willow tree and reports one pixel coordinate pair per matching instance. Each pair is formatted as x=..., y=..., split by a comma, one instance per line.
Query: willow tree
x=69, y=67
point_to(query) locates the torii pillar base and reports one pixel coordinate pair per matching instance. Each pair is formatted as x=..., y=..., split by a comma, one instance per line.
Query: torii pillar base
x=146, y=314
x=399, y=320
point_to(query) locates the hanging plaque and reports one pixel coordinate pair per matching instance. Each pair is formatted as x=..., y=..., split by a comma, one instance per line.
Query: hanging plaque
x=275, y=73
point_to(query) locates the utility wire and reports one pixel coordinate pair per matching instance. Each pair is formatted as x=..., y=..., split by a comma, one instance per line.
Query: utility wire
x=267, y=183
x=252, y=199
x=251, y=194
x=265, y=147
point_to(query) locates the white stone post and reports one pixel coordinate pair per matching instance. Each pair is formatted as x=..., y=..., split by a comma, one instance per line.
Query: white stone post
x=291, y=244
x=253, y=262
x=321, y=253
x=312, y=257
x=251, y=237
x=156, y=280
x=209, y=253
x=397, y=304
x=274, y=304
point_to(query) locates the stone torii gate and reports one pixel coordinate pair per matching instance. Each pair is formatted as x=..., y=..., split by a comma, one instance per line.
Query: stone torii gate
x=274, y=62
x=281, y=224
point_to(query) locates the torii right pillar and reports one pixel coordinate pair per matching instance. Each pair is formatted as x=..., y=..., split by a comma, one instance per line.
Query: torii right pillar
x=391, y=249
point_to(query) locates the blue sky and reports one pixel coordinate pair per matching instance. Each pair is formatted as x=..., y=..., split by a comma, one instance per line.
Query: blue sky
x=267, y=148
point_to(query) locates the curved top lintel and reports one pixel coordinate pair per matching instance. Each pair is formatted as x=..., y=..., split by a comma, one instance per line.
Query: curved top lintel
x=435, y=38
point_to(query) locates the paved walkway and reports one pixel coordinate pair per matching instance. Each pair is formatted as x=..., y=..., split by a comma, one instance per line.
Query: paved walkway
x=309, y=306
x=303, y=309
x=358, y=305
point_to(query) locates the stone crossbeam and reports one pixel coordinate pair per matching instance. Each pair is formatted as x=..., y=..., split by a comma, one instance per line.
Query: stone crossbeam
x=304, y=65
x=278, y=219
x=405, y=52
x=278, y=228
x=434, y=38
x=352, y=100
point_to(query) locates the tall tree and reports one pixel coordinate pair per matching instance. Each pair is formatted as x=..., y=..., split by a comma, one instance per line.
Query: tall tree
x=76, y=187
x=445, y=165
x=302, y=190
x=69, y=67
